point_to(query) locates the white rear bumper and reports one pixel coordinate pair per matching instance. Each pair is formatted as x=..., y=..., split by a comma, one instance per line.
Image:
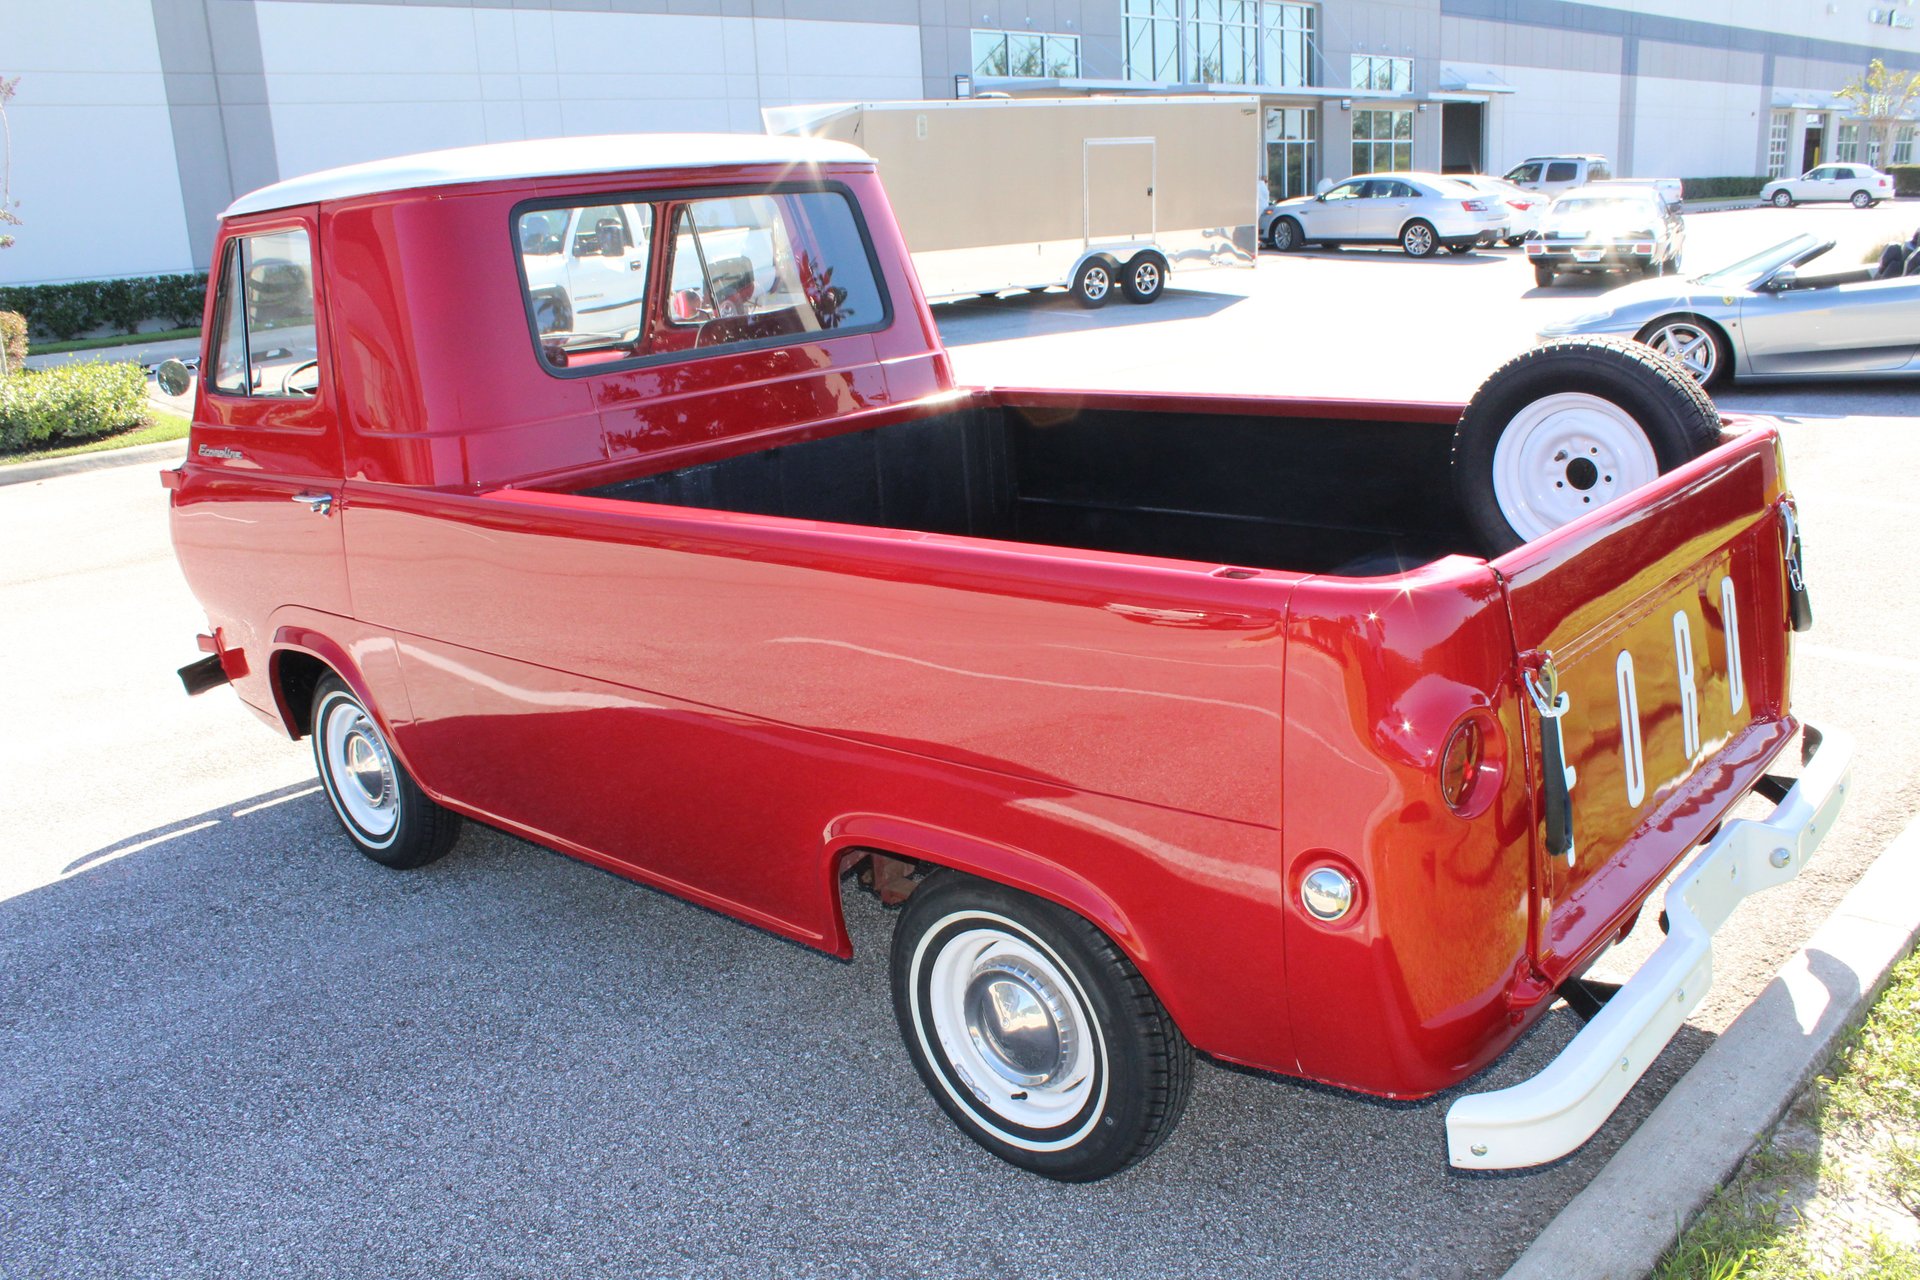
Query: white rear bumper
x=1549, y=1115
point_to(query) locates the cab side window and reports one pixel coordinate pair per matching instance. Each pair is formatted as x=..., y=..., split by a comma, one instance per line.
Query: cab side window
x=267, y=344
x=1561, y=171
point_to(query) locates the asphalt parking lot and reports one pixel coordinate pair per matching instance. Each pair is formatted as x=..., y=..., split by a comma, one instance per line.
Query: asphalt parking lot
x=230, y=1045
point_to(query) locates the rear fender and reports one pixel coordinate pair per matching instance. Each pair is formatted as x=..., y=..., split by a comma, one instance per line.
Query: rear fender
x=369, y=666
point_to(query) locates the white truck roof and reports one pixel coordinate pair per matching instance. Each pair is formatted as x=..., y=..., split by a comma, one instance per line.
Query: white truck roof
x=545, y=157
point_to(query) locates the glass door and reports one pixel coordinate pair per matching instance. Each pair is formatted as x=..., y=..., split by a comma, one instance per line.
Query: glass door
x=1290, y=151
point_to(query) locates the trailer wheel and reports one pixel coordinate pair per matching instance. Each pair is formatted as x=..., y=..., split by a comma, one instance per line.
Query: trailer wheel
x=1033, y=1032
x=385, y=813
x=1567, y=427
x=1093, y=283
x=1145, y=278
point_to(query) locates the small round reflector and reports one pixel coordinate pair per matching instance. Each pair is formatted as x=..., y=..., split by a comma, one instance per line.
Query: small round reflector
x=1326, y=894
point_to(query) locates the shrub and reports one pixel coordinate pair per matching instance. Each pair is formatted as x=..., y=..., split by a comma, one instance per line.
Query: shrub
x=70, y=402
x=1906, y=179
x=69, y=310
x=1722, y=188
x=13, y=338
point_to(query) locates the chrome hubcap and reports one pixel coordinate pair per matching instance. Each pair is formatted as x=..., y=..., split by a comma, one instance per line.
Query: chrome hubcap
x=1146, y=277
x=364, y=767
x=1018, y=1021
x=1096, y=284
x=1690, y=345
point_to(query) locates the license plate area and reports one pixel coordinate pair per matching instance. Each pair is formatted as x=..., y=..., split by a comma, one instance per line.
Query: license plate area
x=1588, y=255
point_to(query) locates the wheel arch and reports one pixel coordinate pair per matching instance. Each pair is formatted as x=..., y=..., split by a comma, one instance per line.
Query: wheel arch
x=300, y=659
x=854, y=836
x=1104, y=255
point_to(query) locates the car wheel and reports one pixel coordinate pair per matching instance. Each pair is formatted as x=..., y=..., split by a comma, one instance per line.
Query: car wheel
x=1093, y=284
x=1695, y=344
x=1862, y=200
x=1417, y=238
x=1565, y=428
x=1543, y=273
x=384, y=811
x=1782, y=199
x=551, y=314
x=1033, y=1031
x=1284, y=235
x=1145, y=278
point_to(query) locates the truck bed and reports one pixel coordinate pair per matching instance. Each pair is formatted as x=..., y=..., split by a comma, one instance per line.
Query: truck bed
x=1314, y=494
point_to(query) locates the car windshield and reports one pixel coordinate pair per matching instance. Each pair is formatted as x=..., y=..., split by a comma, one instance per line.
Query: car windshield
x=1802, y=248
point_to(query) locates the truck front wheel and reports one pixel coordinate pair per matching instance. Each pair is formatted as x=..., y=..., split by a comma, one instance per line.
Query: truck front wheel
x=1093, y=283
x=1567, y=427
x=384, y=811
x=1033, y=1032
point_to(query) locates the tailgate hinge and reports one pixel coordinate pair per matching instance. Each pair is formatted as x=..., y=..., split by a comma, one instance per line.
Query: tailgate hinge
x=1557, y=777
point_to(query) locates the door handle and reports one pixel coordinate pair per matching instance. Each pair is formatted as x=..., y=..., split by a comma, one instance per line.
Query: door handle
x=321, y=504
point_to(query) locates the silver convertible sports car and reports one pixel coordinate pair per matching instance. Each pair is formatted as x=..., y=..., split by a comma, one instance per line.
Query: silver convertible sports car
x=1778, y=314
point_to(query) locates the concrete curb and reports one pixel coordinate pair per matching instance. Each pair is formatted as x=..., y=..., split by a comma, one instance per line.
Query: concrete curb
x=1696, y=1138
x=27, y=472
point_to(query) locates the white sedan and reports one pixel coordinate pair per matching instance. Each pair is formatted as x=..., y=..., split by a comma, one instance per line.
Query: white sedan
x=1420, y=212
x=1855, y=183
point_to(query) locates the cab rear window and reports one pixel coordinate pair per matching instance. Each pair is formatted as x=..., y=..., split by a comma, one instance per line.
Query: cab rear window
x=611, y=282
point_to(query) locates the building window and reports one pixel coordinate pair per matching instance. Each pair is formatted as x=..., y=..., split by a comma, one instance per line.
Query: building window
x=1903, y=144
x=1382, y=141
x=1025, y=53
x=1153, y=40
x=1393, y=74
x=1846, y=141
x=1777, y=131
x=1291, y=132
x=1222, y=45
x=1287, y=36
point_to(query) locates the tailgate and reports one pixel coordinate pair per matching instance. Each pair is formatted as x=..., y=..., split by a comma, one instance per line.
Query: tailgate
x=1665, y=617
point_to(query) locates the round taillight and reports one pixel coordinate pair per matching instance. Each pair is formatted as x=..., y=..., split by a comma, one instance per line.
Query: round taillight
x=1460, y=763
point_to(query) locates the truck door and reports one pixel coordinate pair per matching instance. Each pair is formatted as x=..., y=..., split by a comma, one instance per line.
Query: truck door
x=264, y=472
x=1119, y=189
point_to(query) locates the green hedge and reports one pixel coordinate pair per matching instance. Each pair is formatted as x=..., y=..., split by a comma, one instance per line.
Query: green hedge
x=70, y=402
x=64, y=311
x=1906, y=179
x=1722, y=188
x=13, y=338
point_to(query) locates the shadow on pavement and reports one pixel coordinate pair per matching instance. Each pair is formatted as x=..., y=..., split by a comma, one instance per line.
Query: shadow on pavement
x=234, y=1038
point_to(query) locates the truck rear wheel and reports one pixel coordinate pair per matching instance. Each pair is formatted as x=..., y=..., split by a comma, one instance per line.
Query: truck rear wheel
x=1145, y=278
x=1565, y=428
x=1093, y=283
x=1033, y=1032
x=383, y=810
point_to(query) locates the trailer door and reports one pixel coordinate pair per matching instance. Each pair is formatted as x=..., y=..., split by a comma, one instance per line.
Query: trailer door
x=1119, y=189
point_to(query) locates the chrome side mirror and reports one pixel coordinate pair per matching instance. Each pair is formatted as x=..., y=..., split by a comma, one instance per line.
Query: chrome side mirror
x=174, y=377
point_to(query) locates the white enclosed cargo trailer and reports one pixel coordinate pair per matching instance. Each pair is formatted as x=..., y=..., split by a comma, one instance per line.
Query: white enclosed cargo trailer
x=1102, y=195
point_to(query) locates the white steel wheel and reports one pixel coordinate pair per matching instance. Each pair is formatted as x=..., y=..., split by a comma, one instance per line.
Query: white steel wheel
x=357, y=770
x=1565, y=455
x=383, y=810
x=1033, y=1032
x=1015, y=1037
x=1693, y=344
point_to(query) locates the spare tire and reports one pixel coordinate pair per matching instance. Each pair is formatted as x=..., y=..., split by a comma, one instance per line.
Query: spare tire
x=1566, y=428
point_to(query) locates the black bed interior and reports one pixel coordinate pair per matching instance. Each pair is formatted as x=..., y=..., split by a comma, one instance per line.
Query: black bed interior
x=1308, y=494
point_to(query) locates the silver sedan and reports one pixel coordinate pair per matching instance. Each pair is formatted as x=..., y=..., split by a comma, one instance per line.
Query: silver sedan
x=1782, y=313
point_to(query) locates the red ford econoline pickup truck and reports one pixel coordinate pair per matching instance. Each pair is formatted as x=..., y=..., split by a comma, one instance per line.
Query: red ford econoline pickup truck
x=617, y=492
